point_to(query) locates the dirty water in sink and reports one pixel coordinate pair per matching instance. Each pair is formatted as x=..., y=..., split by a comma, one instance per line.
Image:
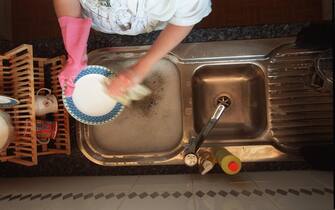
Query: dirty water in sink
x=147, y=106
x=151, y=125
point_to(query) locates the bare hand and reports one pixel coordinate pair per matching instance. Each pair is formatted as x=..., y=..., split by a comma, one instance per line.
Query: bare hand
x=120, y=84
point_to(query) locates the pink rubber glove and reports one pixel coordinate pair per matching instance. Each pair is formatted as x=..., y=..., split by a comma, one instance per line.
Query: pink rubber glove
x=75, y=33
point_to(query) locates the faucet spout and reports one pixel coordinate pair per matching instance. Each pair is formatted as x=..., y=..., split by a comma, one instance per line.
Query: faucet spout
x=190, y=157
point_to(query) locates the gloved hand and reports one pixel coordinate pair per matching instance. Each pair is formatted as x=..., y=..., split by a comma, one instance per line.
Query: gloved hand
x=69, y=73
x=75, y=32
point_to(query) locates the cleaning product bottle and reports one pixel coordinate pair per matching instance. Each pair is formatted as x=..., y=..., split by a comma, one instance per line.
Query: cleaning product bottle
x=206, y=161
x=229, y=163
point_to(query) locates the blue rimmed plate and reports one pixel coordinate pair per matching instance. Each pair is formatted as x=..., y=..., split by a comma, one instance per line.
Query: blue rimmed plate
x=89, y=103
x=6, y=102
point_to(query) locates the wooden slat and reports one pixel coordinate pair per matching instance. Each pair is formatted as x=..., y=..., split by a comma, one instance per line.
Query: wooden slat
x=20, y=80
x=62, y=141
x=18, y=83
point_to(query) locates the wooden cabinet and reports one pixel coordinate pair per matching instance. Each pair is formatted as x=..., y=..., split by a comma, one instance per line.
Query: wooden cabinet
x=36, y=19
x=33, y=19
x=253, y=12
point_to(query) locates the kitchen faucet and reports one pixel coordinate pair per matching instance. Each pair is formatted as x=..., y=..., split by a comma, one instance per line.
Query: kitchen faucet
x=190, y=152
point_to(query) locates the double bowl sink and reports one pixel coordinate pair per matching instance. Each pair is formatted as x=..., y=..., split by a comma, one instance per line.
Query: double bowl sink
x=187, y=85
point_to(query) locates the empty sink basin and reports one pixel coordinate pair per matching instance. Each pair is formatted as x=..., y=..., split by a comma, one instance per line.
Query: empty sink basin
x=246, y=117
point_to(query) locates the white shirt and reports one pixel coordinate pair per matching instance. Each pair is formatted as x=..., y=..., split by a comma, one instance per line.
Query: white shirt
x=132, y=17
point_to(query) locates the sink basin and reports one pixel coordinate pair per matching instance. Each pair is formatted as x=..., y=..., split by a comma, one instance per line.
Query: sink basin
x=154, y=122
x=148, y=128
x=244, y=84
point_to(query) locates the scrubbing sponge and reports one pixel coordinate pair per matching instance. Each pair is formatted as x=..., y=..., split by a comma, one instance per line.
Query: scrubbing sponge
x=135, y=93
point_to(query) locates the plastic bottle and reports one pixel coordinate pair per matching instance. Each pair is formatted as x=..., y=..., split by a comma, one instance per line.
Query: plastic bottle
x=229, y=163
x=206, y=161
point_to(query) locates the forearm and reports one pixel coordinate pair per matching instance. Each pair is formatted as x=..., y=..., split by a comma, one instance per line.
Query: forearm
x=168, y=39
x=70, y=8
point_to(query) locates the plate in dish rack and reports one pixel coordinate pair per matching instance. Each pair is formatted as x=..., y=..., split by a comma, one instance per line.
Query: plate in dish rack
x=6, y=102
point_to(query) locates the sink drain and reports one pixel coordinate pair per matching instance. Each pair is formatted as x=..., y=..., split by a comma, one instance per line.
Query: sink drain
x=224, y=100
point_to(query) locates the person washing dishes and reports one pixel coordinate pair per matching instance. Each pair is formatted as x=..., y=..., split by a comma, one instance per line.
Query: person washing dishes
x=129, y=17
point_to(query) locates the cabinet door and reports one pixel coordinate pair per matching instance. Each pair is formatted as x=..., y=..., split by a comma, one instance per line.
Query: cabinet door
x=253, y=12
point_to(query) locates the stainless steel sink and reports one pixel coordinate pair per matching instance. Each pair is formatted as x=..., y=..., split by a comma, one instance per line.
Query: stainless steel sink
x=244, y=84
x=273, y=109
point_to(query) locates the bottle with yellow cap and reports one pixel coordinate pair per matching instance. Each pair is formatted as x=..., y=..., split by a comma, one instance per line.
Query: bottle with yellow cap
x=229, y=163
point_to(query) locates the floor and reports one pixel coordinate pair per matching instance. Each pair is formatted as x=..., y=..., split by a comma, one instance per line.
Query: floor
x=308, y=190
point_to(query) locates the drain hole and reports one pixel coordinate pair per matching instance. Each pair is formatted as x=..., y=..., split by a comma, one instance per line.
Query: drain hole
x=224, y=100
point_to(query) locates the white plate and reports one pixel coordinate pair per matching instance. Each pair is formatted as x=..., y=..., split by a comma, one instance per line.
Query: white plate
x=6, y=101
x=89, y=103
x=4, y=131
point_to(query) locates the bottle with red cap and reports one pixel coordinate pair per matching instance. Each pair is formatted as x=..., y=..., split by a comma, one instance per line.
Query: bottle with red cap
x=229, y=163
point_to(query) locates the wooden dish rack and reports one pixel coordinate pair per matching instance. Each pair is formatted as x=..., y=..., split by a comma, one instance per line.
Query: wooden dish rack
x=21, y=75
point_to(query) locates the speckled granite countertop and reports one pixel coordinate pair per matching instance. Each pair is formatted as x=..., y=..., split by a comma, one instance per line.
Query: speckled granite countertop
x=76, y=164
x=54, y=47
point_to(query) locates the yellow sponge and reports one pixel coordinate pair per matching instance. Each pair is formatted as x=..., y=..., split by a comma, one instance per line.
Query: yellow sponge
x=135, y=93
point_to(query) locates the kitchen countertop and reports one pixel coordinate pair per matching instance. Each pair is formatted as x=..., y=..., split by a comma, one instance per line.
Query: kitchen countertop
x=76, y=164
x=54, y=47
